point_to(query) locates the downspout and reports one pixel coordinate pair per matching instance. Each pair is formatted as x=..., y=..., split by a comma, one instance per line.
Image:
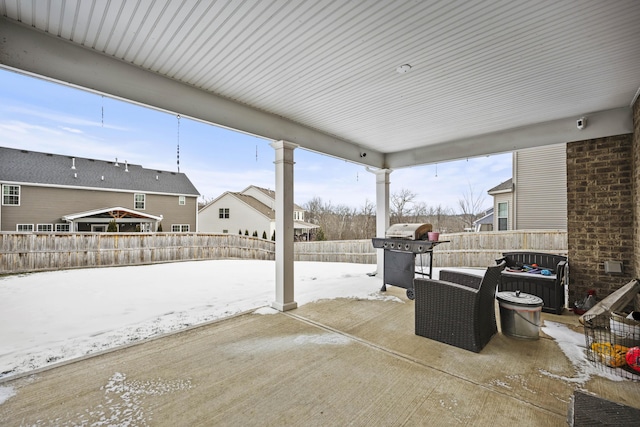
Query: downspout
x=514, y=193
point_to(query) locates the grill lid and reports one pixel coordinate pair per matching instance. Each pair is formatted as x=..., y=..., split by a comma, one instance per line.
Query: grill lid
x=409, y=231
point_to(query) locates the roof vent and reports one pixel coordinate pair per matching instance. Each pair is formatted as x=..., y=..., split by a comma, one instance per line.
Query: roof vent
x=102, y=178
x=73, y=163
x=75, y=174
x=126, y=166
x=116, y=163
x=156, y=177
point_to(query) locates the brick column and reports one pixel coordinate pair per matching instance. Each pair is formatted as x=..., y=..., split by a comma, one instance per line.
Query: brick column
x=600, y=211
x=636, y=182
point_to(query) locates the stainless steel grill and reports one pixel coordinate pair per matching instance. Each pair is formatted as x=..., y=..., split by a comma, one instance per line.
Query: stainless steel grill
x=401, y=244
x=408, y=231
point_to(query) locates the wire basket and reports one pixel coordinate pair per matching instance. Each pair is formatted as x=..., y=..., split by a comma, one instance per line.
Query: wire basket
x=609, y=337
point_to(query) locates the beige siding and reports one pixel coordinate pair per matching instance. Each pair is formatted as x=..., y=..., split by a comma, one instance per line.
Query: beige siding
x=47, y=205
x=501, y=198
x=540, y=180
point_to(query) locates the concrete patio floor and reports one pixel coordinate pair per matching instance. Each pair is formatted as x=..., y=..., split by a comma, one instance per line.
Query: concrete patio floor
x=332, y=362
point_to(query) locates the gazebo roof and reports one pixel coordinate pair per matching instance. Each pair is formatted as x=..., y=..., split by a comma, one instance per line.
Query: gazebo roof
x=114, y=212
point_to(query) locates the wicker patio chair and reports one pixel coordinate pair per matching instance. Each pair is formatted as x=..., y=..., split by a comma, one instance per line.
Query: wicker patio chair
x=458, y=309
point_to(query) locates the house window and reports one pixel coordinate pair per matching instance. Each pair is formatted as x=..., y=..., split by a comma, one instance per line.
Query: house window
x=224, y=213
x=180, y=228
x=11, y=195
x=503, y=216
x=139, y=201
x=63, y=227
x=24, y=227
x=225, y=231
x=45, y=227
x=145, y=227
x=182, y=200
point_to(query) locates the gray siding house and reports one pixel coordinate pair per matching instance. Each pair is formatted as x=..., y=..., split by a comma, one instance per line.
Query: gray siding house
x=45, y=192
x=536, y=197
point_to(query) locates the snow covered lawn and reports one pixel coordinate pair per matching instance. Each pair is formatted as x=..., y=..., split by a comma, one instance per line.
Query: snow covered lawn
x=54, y=316
x=50, y=317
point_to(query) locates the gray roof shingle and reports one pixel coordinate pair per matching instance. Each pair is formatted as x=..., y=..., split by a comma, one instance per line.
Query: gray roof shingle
x=31, y=167
x=506, y=185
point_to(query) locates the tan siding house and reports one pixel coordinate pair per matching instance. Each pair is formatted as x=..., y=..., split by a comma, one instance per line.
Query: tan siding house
x=47, y=192
x=540, y=182
x=536, y=197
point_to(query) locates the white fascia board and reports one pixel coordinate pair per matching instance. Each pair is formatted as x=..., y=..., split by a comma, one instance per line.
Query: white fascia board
x=304, y=225
x=492, y=193
x=75, y=216
x=30, y=51
x=600, y=124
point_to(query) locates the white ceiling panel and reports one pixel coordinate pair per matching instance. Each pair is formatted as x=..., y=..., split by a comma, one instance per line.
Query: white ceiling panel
x=477, y=67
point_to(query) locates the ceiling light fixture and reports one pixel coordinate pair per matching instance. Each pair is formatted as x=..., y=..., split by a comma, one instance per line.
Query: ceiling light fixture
x=402, y=69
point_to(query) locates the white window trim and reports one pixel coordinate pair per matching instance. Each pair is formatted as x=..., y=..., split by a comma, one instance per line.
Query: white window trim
x=182, y=228
x=224, y=213
x=65, y=224
x=50, y=226
x=135, y=201
x=24, y=231
x=18, y=195
x=502, y=217
x=182, y=200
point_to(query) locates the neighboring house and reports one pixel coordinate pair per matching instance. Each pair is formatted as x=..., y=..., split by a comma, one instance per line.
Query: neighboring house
x=252, y=211
x=536, y=197
x=484, y=223
x=57, y=193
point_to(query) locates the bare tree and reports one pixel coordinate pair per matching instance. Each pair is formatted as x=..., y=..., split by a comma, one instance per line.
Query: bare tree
x=343, y=215
x=399, y=205
x=471, y=205
x=440, y=218
x=364, y=222
x=320, y=213
x=419, y=212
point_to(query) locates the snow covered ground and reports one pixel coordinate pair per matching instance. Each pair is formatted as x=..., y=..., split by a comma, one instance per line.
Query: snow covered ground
x=50, y=317
x=54, y=316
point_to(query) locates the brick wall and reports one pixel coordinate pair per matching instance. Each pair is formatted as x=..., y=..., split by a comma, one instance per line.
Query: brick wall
x=636, y=181
x=600, y=210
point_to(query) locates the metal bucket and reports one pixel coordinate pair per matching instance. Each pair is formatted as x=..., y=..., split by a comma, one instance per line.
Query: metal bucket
x=520, y=314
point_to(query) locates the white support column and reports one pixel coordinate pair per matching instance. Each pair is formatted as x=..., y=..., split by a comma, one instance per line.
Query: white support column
x=284, y=226
x=382, y=211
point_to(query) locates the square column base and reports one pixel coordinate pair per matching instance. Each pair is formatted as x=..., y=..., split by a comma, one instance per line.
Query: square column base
x=284, y=307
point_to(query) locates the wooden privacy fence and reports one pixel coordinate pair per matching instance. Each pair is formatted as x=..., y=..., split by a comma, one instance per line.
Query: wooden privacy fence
x=26, y=252
x=356, y=251
x=463, y=250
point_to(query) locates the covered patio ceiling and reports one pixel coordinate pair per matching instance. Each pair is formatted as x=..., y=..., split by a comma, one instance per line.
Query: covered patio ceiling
x=388, y=84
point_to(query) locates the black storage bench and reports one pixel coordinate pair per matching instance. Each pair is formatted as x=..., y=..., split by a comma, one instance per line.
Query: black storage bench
x=549, y=288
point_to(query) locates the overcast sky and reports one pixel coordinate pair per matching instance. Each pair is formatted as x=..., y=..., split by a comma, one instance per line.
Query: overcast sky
x=38, y=115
